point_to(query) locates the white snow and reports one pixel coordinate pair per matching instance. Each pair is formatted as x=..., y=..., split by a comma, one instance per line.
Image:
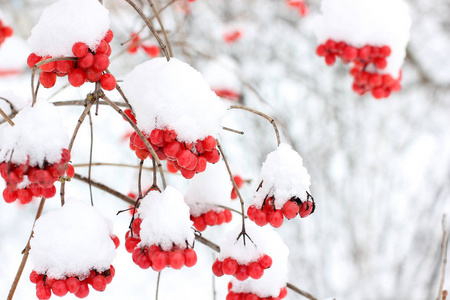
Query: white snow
x=67, y=22
x=71, y=240
x=367, y=22
x=38, y=134
x=165, y=220
x=275, y=277
x=16, y=101
x=13, y=55
x=209, y=189
x=174, y=95
x=283, y=176
x=221, y=74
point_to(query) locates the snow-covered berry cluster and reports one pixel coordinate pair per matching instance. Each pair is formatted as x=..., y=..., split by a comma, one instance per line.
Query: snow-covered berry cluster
x=166, y=244
x=5, y=32
x=46, y=286
x=250, y=296
x=90, y=65
x=136, y=43
x=229, y=266
x=24, y=181
x=283, y=191
x=298, y=5
x=363, y=60
x=188, y=158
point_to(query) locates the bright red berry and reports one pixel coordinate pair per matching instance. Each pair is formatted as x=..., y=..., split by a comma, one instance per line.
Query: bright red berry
x=217, y=268
x=190, y=257
x=229, y=266
x=86, y=61
x=80, y=49
x=47, y=79
x=160, y=260
x=108, y=82
x=83, y=291
x=275, y=218
x=33, y=59
x=265, y=261
x=73, y=284
x=290, y=209
x=241, y=273
x=101, y=62
x=211, y=218
x=77, y=77
x=255, y=270
x=176, y=259
x=109, y=36
x=59, y=288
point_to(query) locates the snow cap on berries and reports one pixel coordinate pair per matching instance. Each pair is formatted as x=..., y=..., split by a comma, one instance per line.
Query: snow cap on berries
x=275, y=277
x=367, y=22
x=165, y=220
x=29, y=137
x=71, y=241
x=172, y=94
x=209, y=189
x=67, y=22
x=283, y=177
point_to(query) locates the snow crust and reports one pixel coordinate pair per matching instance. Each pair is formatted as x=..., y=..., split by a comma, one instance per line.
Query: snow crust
x=174, y=95
x=283, y=176
x=38, y=134
x=165, y=220
x=209, y=189
x=71, y=240
x=363, y=22
x=269, y=241
x=67, y=22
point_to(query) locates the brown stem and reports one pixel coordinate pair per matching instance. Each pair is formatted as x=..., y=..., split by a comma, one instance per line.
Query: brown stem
x=268, y=118
x=90, y=156
x=157, y=284
x=140, y=179
x=83, y=103
x=301, y=292
x=155, y=12
x=150, y=26
x=5, y=116
x=233, y=130
x=25, y=253
x=105, y=189
x=138, y=131
x=444, y=245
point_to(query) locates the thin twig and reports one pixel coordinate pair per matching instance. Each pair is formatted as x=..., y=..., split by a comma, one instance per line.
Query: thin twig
x=268, y=118
x=90, y=156
x=25, y=253
x=444, y=245
x=83, y=103
x=301, y=292
x=157, y=284
x=5, y=116
x=140, y=179
x=233, y=130
x=105, y=189
x=155, y=12
x=138, y=131
x=150, y=26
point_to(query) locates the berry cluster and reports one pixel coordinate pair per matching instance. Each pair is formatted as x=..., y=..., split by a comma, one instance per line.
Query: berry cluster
x=367, y=61
x=298, y=5
x=89, y=66
x=268, y=214
x=136, y=43
x=154, y=256
x=232, y=36
x=45, y=286
x=230, y=266
x=211, y=218
x=24, y=181
x=189, y=158
x=249, y=296
x=239, y=183
x=5, y=32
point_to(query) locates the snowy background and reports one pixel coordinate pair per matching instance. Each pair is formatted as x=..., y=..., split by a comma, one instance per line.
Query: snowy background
x=379, y=169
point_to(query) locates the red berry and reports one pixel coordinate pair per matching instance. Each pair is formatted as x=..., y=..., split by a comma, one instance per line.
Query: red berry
x=260, y=218
x=176, y=259
x=136, y=226
x=130, y=114
x=83, y=291
x=275, y=218
x=35, y=277
x=152, y=51
x=199, y=223
x=252, y=297
x=212, y=156
x=233, y=296
x=49, y=192
x=25, y=196
x=109, y=36
x=73, y=284
x=80, y=49
x=201, y=164
x=375, y=80
x=242, y=273
x=102, y=48
x=184, y=158
x=188, y=174
x=70, y=171
x=131, y=243
x=385, y=51
x=377, y=93
x=265, y=261
x=48, y=67
x=283, y=293
x=64, y=66
x=209, y=143
x=306, y=209
x=228, y=216
x=77, y=77
x=157, y=137
x=171, y=168
x=108, y=82
x=160, y=260
x=190, y=257
x=330, y=59
x=210, y=218
x=169, y=135
x=93, y=75
x=290, y=209
x=59, y=288
x=229, y=266
x=255, y=270
x=43, y=292
x=33, y=59
x=115, y=240
x=380, y=63
x=239, y=181
x=144, y=261
x=321, y=50
x=350, y=53
x=217, y=268
x=47, y=79
x=220, y=218
x=330, y=45
x=86, y=61
x=142, y=153
x=364, y=53
x=9, y=196
x=101, y=62
x=172, y=149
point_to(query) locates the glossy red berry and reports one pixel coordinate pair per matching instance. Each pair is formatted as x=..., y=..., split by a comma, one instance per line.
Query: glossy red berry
x=255, y=270
x=108, y=82
x=86, y=61
x=229, y=266
x=47, y=79
x=101, y=62
x=73, y=284
x=176, y=259
x=275, y=218
x=59, y=288
x=77, y=77
x=83, y=291
x=190, y=257
x=265, y=261
x=33, y=59
x=80, y=49
x=241, y=273
x=217, y=268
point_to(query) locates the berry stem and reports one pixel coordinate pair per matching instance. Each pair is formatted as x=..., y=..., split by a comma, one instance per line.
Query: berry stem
x=155, y=12
x=138, y=131
x=233, y=130
x=150, y=26
x=25, y=253
x=256, y=112
x=157, y=285
x=444, y=246
x=5, y=116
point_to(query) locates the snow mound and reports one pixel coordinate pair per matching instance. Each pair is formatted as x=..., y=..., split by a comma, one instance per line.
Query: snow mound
x=165, y=220
x=268, y=241
x=209, y=189
x=367, y=22
x=172, y=94
x=67, y=22
x=37, y=135
x=283, y=177
x=71, y=241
